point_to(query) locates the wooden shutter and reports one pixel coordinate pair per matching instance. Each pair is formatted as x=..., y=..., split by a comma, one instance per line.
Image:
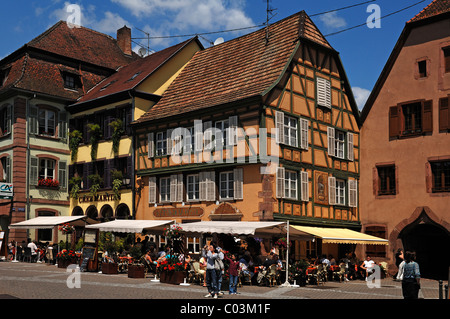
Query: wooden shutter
x=304, y=134
x=33, y=120
x=279, y=125
x=238, y=183
x=151, y=145
x=173, y=187
x=108, y=166
x=428, y=177
x=7, y=128
x=211, y=186
x=323, y=92
x=62, y=174
x=107, y=129
x=198, y=135
x=62, y=124
x=169, y=145
x=88, y=169
x=34, y=170
x=331, y=145
x=152, y=190
x=353, y=193
x=394, y=121
x=232, y=130
x=427, y=116
x=177, y=142
x=207, y=134
x=444, y=114
x=304, y=186
x=332, y=190
x=350, y=147
x=180, y=188
x=446, y=52
x=128, y=120
x=280, y=182
x=202, y=185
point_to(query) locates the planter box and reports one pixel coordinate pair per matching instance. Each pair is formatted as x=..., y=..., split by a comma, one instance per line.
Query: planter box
x=135, y=271
x=109, y=268
x=172, y=277
x=65, y=263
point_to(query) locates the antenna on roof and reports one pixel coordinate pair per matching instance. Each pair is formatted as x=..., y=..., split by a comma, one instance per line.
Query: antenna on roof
x=219, y=41
x=144, y=50
x=269, y=11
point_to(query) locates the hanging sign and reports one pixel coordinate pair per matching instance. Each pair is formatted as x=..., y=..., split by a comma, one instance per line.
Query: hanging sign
x=6, y=191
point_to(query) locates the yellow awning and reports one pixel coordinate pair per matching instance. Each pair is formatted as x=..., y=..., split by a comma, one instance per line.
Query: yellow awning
x=342, y=236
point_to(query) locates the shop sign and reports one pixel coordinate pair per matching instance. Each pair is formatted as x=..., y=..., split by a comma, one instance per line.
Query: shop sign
x=178, y=212
x=98, y=198
x=6, y=191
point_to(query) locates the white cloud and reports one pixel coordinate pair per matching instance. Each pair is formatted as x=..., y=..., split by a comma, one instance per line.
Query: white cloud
x=332, y=20
x=361, y=95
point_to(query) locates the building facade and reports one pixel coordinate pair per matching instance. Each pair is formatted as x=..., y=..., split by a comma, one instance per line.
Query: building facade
x=405, y=175
x=262, y=127
x=37, y=82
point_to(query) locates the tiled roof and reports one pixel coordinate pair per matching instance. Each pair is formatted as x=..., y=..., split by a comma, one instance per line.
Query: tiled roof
x=133, y=74
x=435, y=8
x=238, y=69
x=82, y=44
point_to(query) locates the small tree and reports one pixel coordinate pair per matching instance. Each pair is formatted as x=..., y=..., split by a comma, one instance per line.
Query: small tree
x=118, y=131
x=96, y=134
x=75, y=137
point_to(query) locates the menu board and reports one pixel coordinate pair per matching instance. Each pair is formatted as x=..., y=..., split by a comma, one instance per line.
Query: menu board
x=2, y=236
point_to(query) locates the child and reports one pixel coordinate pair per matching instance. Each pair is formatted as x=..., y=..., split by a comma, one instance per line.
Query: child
x=233, y=271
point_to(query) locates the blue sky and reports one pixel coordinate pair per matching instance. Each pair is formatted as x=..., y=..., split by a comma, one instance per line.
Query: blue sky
x=363, y=50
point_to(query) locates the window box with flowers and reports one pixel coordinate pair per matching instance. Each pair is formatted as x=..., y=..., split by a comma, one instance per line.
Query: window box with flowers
x=171, y=270
x=66, y=258
x=48, y=183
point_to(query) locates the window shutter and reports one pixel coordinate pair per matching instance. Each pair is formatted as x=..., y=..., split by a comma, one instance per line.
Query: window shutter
x=108, y=165
x=151, y=145
x=211, y=186
x=279, y=125
x=304, y=133
x=207, y=133
x=169, y=150
x=173, y=187
x=238, y=183
x=198, y=135
x=305, y=186
x=62, y=175
x=331, y=145
x=8, y=170
x=128, y=120
x=353, y=193
x=62, y=124
x=152, y=190
x=323, y=92
x=444, y=114
x=7, y=129
x=88, y=169
x=427, y=116
x=332, y=190
x=394, y=121
x=202, y=185
x=280, y=182
x=232, y=130
x=180, y=188
x=177, y=143
x=34, y=169
x=33, y=120
x=350, y=146
x=107, y=129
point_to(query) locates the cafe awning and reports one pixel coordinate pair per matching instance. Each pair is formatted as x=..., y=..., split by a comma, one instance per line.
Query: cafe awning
x=257, y=229
x=48, y=222
x=132, y=226
x=342, y=236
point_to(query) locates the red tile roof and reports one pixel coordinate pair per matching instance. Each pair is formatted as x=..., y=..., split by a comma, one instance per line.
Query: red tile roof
x=238, y=69
x=82, y=44
x=133, y=74
x=435, y=8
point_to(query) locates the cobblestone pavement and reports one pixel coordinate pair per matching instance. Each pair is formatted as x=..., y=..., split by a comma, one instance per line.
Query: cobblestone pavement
x=41, y=281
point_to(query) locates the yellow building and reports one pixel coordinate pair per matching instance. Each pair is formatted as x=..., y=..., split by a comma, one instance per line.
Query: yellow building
x=101, y=174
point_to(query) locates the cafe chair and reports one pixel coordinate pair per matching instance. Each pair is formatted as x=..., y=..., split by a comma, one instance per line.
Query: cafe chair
x=321, y=274
x=273, y=275
x=27, y=254
x=194, y=273
x=340, y=273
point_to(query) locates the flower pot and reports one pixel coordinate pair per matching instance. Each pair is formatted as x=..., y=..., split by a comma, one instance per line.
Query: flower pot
x=136, y=271
x=172, y=277
x=109, y=268
x=64, y=263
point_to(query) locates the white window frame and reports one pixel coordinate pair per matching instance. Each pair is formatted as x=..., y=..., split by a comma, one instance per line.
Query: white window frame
x=228, y=178
x=290, y=184
x=189, y=143
x=161, y=143
x=223, y=128
x=47, y=121
x=44, y=163
x=341, y=186
x=164, y=191
x=339, y=144
x=290, y=127
x=193, y=187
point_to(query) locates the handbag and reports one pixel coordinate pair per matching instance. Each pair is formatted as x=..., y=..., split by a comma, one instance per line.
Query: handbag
x=218, y=264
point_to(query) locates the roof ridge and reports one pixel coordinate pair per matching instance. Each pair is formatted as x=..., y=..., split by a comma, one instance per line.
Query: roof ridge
x=436, y=3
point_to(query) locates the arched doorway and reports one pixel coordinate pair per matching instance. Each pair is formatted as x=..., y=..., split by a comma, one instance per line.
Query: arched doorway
x=429, y=240
x=107, y=213
x=77, y=211
x=122, y=212
x=92, y=212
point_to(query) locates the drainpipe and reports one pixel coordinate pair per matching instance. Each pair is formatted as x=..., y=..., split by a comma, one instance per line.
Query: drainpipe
x=27, y=130
x=132, y=177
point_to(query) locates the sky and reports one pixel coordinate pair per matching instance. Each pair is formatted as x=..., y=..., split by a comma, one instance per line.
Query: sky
x=363, y=50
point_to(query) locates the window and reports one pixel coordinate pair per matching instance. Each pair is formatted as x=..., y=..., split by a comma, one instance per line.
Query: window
x=446, y=52
x=193, y=187
x=323, y=88
x=290, y=131
x=444, y=114
x=5, y=169
x=46, y=168
x=376, y=250
x=222, y=133
x=410, y=119
x=161, y=143
x=5, y=119
x=189, y=141
x=290, y=185
x=412, y=114
x=226, y=185
x=46, y=122
x=337, y=141
x=164, y=189
x=422, y=66
x=440, y=176
x=386, y=180
x=340, y=192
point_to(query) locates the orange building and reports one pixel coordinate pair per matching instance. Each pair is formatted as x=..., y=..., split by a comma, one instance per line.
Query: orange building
x=278, y=94
x=405, y=161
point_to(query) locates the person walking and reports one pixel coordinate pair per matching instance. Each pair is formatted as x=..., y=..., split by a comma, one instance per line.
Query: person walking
x=411, y=277
x=233, y=271
x=209, y=252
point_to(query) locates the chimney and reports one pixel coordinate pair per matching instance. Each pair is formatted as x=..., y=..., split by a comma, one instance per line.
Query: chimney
x=124, y=39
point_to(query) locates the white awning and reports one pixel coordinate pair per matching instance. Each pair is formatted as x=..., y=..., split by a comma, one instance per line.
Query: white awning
x=132, y=226
x=257, y=229
x=48, y=222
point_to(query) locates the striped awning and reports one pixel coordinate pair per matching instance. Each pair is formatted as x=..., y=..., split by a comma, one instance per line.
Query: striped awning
x=342, y=236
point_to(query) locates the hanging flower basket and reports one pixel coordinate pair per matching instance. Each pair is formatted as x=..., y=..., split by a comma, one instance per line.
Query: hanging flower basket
x=66, y=229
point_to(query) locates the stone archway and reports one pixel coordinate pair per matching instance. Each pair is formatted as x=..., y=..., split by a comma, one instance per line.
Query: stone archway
x=107, y=213
x=425, y=234
x=77, y=211
x=92, y=212
x=123, y=212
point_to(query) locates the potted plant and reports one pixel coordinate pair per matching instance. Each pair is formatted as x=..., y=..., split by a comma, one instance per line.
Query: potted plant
x=65, y=258
x=75, y=137
x=117, y=178
x=171, y=270
x=110, y=268
x=75, y=186
x=96, y=183
x=297, y=272
x=118, y=131
x=136, y=270
x=96, y=134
